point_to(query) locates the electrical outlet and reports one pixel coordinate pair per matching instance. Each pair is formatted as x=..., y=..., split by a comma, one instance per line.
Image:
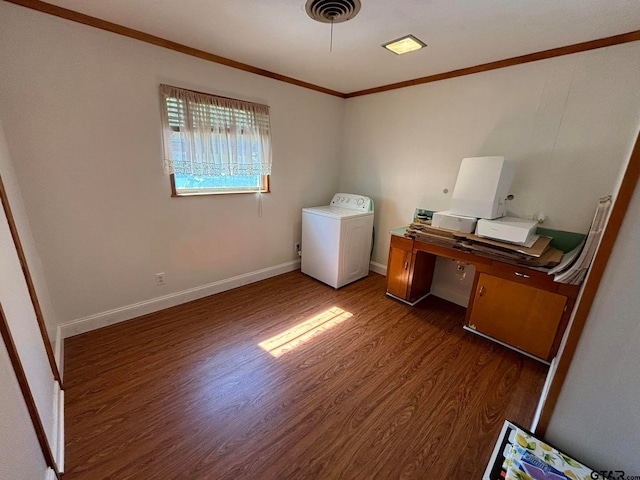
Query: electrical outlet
x=297, y=246
x=160, y=278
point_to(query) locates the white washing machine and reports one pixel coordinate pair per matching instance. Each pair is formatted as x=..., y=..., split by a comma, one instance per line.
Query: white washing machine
x=336, y=239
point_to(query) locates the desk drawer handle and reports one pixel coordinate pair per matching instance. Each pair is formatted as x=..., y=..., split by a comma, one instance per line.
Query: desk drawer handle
x=406, y=265
x=523, y=275
x=481, y=291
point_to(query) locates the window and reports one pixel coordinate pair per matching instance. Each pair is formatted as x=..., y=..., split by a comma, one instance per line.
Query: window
x=214, y=144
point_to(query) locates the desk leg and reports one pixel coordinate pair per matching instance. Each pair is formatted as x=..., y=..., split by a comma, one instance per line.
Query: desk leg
x=420, y=275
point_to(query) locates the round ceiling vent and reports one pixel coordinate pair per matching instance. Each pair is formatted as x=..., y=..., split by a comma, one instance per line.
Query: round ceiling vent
x=332, y=11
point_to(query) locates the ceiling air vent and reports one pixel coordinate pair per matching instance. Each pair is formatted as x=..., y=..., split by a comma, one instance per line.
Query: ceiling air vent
x=332, y=11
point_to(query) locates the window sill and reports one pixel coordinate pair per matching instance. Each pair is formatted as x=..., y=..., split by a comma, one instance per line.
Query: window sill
x=204, y=194
x=184, y=192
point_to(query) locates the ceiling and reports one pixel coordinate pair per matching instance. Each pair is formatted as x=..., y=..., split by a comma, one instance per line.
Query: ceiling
x=277, y=35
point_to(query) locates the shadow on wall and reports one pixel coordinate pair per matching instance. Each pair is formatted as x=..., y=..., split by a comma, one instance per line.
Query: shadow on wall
x=369, y=183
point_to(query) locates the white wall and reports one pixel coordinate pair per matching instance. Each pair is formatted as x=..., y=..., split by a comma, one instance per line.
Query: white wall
x=82, y=118
x=566, y=121
x=21, y=455
x=16, y=203
x=597, y=417
x=21, y=317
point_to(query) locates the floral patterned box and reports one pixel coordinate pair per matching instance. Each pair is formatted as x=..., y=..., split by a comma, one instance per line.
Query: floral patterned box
x=519, y=455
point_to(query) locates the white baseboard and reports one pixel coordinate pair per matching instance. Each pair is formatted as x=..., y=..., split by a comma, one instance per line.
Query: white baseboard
x=58, y=356
x=378, y=268
x=99, y=320
x=58, y=352
x=57, y=442
x=544, y=394
x=60, y=450
x=449, y=295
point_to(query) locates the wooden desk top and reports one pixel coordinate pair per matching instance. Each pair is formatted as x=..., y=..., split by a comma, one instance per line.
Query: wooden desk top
x=486, y=264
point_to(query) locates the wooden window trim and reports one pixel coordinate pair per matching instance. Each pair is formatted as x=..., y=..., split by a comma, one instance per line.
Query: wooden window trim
x=266, y=188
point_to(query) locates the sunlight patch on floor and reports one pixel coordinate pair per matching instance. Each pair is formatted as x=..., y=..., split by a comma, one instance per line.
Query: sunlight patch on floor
x=305, y=331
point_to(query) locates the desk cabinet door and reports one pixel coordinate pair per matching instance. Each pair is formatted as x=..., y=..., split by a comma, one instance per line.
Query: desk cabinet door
x=398, y=272
x=518, y=315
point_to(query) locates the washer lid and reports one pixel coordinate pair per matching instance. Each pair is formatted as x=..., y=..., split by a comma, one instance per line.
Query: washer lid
x=335, y=212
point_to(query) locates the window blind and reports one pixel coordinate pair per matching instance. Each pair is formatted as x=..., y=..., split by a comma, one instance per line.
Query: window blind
x=214, y=136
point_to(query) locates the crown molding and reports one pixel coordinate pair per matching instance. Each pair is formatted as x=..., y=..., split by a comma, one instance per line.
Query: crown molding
x=507, y=62
x=194, y=52
x=161, y=42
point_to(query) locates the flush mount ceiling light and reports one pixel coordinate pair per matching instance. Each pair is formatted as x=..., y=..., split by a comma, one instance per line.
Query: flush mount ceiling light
x=406, y=44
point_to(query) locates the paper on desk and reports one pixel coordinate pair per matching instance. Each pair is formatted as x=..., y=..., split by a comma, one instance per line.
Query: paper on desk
x=576, y=272
x=567, y=259
x=531, y=241
x=538, y=248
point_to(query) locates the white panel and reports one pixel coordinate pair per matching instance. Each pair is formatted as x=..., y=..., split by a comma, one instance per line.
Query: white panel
x=356, y=249
x=451, y=284
x=21, y=456
x=321, y=247
x=21, y=317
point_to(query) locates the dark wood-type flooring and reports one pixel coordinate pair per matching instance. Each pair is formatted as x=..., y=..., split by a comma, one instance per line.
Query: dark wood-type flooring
x=387, y=392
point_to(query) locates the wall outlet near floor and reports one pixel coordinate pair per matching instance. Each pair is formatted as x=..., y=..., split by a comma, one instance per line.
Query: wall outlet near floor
x=297, y=247
x=160, y=278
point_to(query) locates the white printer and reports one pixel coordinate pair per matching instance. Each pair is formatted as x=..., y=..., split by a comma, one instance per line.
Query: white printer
x=479, y=202
x=448, y=220
x=482, y=187
x=507, y=229
x=480, y=192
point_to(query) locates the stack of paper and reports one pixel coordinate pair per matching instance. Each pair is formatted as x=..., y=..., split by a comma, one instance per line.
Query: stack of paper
x=538, y=254
x=573, y=267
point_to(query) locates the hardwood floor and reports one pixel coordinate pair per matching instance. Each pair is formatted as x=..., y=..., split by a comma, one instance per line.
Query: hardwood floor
x=365, y=388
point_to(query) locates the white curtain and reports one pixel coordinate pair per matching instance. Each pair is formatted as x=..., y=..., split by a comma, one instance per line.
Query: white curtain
x=214, y=136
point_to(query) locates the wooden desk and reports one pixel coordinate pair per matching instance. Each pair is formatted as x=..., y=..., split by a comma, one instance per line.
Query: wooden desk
x=519, y=307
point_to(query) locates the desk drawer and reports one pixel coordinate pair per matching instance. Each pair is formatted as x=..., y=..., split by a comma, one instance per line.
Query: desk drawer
x=403, y=243
x=524, y=275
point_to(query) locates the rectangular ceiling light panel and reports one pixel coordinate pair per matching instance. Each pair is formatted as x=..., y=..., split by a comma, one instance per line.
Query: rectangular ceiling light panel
x=406, y=44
